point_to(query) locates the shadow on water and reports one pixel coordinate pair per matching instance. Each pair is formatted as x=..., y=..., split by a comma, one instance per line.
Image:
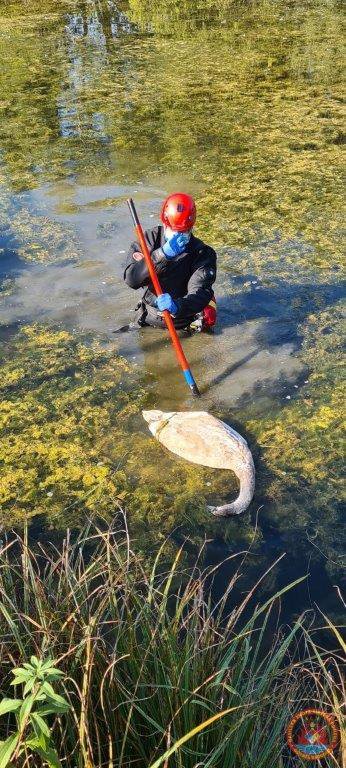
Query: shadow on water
x=281, y=302
x=11, y=265
x=282, y=307
x=234, y=367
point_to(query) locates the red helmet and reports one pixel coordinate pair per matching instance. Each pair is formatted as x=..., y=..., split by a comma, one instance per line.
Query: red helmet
x=179, y=212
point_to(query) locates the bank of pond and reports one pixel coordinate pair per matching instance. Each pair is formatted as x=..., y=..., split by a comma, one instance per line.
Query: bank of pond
x=109, y=659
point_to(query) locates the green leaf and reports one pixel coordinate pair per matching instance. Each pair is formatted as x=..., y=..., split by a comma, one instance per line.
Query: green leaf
x=7, y=749
x=25, y=709
x=49, y=690
x=35, y=661
x=336, y=632
x=20, y=679
x=35, y=742
x=55, y=674
x=48, y=753
x=28, y=686
x=21, y=672
x=13, y=627
x=42, y=725
x=189, y=735
x=50, y=756
x=36, y=738
x=54, y=709
x=9, y=705
x=48, y=664
x=49, y=668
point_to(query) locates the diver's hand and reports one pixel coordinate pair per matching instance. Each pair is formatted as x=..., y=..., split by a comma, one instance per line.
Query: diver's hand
x=165, y=301
x=176, y=245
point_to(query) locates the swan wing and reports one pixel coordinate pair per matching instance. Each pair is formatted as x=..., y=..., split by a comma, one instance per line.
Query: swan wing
x=201, y=438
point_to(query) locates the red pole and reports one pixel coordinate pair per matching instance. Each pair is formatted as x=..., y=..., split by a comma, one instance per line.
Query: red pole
x=158, y=290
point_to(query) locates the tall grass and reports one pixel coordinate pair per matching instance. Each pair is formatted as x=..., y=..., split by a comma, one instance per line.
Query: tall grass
x=154, y=673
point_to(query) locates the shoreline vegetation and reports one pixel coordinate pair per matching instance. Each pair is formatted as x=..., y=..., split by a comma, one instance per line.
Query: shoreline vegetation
x=152, y=672
x=119, y=646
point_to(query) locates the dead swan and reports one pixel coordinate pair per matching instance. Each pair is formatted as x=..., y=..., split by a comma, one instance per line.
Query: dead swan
x=201, y=438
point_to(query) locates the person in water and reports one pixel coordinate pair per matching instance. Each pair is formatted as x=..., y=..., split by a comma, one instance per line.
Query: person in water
x=185, y=265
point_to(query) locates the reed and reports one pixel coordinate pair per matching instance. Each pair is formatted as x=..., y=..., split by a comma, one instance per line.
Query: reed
x=154, y=673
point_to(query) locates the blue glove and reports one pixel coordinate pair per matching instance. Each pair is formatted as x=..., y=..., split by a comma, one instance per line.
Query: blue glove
x=165, y=301
x=176, y=244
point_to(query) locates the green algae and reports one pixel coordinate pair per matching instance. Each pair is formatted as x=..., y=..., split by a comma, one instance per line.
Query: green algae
x=243, y=102
x=303, y=446
x=260, y=128
x=35, y=237
x=73, y=442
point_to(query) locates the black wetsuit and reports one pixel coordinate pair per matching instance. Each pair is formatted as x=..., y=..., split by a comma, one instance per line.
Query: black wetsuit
x=188, y=278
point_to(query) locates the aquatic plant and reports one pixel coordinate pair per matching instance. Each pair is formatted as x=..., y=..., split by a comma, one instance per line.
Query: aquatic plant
x=73, y=442
x=150, y=661
x=303, y=446
x=60, y=404
x=263, y=153
x=30, y=235
x=266, y=160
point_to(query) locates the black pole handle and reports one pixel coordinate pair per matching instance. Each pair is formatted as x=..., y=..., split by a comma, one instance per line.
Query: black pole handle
x=133, y=211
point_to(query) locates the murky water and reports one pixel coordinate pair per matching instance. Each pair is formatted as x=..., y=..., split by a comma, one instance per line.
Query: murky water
x=240, y=105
